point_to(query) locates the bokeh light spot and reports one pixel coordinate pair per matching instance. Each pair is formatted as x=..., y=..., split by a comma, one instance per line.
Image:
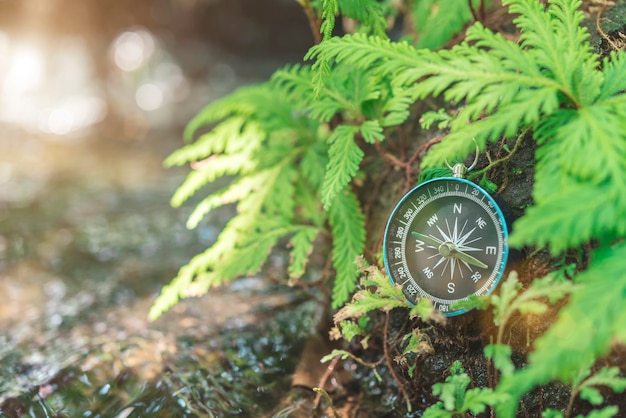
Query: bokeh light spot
x=149, y=96
x=131, y=49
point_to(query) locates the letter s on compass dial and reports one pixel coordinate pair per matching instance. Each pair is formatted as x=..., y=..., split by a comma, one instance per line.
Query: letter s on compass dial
x=445, y=240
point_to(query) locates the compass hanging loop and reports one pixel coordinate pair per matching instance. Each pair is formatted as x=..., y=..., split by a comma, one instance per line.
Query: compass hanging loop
x=459, y=169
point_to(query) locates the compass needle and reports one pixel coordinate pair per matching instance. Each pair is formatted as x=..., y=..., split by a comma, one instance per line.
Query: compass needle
x=469, y=259
x=427, y=239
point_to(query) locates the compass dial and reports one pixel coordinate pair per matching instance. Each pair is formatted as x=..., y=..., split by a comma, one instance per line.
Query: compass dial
x=445, y=240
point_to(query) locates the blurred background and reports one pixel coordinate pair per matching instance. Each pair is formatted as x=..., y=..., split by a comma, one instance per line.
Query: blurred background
x=67, y=65
x=94, y=94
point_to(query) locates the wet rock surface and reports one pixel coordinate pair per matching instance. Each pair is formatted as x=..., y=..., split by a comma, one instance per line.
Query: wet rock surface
x=83, y=253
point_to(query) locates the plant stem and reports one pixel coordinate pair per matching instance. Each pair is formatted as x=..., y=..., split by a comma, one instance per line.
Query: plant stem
x=322, y=392
x=405, y=395
x=314, y=21
x=492, y=164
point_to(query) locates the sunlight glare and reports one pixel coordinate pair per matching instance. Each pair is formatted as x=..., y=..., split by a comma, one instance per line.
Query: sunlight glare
x=25, y=71
x=72, y=114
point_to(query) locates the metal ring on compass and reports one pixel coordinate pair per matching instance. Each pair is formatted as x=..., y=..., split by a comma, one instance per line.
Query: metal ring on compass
x=471, y=167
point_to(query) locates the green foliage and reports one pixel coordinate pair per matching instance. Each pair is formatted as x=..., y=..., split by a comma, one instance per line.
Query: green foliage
x=369, y=14
x=436, y=21
x=348, y=227
x=554, y=85
x=290, y=149
x=585, y=386
x=356, y=97
x=378, y=293
x=456, y=400
x=259, y=142
x=584, y=330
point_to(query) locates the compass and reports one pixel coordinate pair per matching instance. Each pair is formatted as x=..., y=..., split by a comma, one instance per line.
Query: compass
x=446, y=240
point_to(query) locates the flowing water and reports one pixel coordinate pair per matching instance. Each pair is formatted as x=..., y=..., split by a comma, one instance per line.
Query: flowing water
x=87, y=239
x=84, y=248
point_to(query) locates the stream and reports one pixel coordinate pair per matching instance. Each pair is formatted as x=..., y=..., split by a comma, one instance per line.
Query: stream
x=88, y=237
x=85, y=247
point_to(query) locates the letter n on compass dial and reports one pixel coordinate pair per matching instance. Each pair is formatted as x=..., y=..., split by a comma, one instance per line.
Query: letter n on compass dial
x=446, y=240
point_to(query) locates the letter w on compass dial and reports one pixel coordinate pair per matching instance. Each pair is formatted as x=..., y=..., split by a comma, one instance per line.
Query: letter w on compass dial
x=451, y=249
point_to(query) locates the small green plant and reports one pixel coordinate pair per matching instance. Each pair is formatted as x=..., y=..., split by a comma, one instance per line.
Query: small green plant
x=456, y=399
x=376, y=294
x=584, y=384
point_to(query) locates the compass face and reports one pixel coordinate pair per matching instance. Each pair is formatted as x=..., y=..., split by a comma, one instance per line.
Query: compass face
x=445, y=240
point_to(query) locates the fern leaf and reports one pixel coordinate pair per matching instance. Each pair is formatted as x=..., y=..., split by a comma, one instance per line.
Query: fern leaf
x=344, y=159
x=561, y=45
x=598, y=131
x=212, y=170
x=330, y=8
x=614, y=68
x=350, y=329
x=594, y=310
x=607, y=376
x=234, y=192
x=346, y=91
x=313, y=164
x=436, y=22
x=369, y=13
x=477, y=399
x=501, y=356
x=248, y=257
x=260, y=138
x=171, y=293
x=301, y=246
x=239, y=102
x=582, y=166
x=371, y=131
x=366, y=301
x=233, y=135
x=348, y=227
x=590, y=211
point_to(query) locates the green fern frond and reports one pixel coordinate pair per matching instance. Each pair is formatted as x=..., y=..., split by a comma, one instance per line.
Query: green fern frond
x=347, y=224
x=330, y=8
x=589, y=213
x=344, y=159
x=237, y=191
x=250, y=103
x=613, y=69
x=313, y=163
x=301, y=247
x=595, y=310
x=581, y=166
x=371, y=131
x=385, y=297
x=370, y=14
x=345, y=92
x=212, y=142
x=437, y=21
x=560, y=45
x=515, y=87
x=259, y=144
x=213, y=169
